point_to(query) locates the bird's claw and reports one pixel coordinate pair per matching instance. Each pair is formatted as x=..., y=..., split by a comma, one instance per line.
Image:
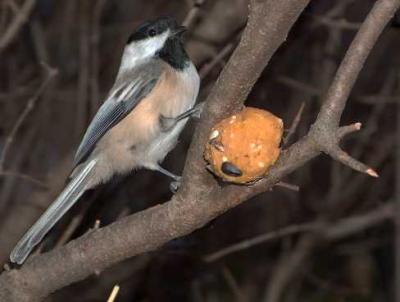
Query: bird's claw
x=174, y=185
x=199, y=110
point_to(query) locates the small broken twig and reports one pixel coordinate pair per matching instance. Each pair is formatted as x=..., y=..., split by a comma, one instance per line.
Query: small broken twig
x=114, y=294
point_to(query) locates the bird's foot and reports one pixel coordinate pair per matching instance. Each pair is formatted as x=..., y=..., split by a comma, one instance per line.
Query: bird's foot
x=198, y=110
x=174, y=185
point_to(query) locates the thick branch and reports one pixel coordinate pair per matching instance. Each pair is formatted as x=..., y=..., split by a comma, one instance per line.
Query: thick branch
x=326, y=132
x=268, y=26
x=198, y=202
x=354, y=60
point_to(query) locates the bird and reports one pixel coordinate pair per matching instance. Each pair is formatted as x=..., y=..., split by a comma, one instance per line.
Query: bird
x=137, y=125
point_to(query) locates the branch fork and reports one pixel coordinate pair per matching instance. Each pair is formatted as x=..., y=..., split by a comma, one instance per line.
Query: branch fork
x=327, y=139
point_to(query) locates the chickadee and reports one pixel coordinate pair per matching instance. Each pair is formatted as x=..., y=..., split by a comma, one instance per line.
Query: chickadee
x=138, y=124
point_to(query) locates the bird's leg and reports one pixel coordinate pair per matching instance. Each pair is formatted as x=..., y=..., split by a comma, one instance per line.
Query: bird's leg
x=193, y=112
x=168, y=123
x=167, y=173
x=174, y=186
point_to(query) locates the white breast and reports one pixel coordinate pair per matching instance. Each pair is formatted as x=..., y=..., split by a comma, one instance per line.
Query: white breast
x=137, y=141
x=183, y=98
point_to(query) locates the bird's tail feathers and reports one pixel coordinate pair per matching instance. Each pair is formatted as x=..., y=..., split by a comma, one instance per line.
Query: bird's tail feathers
x=67, y=198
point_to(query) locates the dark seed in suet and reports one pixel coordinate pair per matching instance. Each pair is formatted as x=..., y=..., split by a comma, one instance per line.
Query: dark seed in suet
x=230, y=169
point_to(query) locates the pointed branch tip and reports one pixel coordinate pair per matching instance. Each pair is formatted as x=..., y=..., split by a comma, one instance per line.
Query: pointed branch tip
x=372, y=173
x=345, y=130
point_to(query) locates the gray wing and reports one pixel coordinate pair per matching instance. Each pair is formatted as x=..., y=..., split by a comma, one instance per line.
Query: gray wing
x=128, y=92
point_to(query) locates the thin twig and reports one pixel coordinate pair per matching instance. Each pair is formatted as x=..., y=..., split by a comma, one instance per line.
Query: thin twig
x=298, y=85
x=323, y=231
x=25, y=177
x=95, y=40
x=288, y=266
x=208, y=67
x=288, y=186
x=72, y=226
x=346, y=130
x=85, y=13
x=294, y=125
x=341, y=156
x=30, y=105
x=313, y=91
x=337, y=23
x=357, y=223
x=20, y=19
x=13, y=6
x=329, y=285
x=233, y=284
x=193, y=13
x=263, y=238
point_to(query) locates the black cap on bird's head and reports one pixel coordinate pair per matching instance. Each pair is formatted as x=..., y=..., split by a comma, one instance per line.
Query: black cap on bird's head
x=158, y=38
x=157, y=27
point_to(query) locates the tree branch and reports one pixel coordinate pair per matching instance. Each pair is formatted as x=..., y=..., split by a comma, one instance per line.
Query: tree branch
x=194, y=205
x=201, y=198
x=20, y=19
x=326, y=132
x=325, y=128
x=333, y=231
x=50, y=74
x=354, y=60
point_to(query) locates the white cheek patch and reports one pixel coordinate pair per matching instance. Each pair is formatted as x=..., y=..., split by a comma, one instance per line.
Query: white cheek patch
x=151, y=45
x=142, y=50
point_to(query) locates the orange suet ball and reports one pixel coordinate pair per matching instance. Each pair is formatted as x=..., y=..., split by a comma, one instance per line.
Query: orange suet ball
x=242, y=147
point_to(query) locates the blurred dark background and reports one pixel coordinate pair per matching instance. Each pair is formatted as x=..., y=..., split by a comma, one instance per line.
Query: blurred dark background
x=83, y=40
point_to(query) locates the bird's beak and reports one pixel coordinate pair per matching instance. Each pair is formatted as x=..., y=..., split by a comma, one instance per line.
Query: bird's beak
x=179, y=30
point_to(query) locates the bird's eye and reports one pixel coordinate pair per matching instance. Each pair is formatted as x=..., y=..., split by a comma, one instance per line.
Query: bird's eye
x=152, y=32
